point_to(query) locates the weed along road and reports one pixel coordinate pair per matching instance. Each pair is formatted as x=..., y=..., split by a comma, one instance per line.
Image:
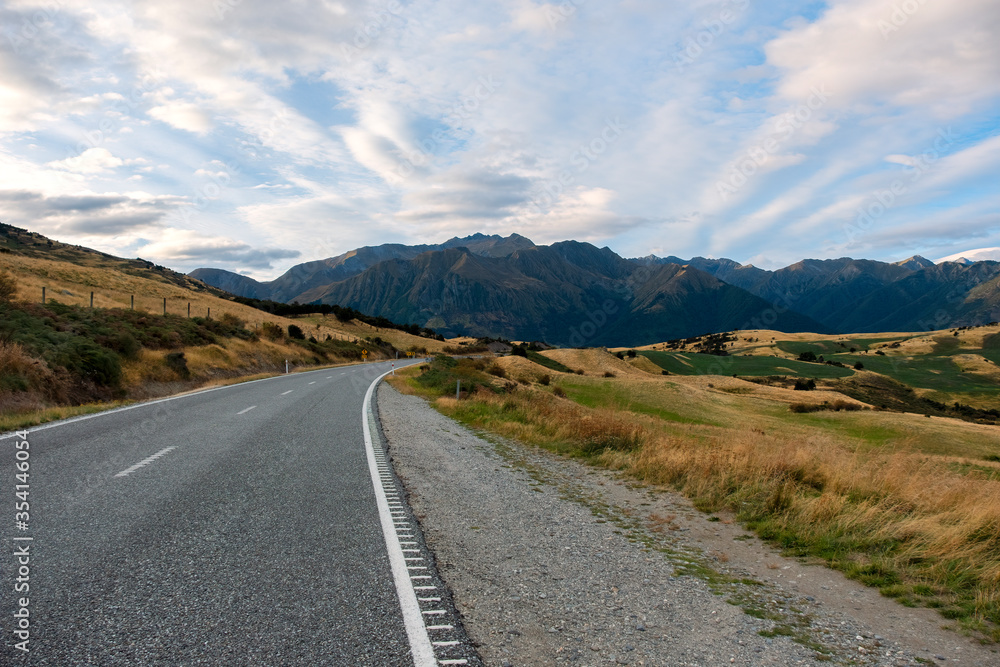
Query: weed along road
x=253, y=524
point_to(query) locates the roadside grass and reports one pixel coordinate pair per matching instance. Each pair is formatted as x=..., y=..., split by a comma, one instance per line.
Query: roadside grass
x=876, y=495
x=20, y=419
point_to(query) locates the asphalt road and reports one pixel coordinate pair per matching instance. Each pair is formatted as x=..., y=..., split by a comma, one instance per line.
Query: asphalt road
x=235, y=526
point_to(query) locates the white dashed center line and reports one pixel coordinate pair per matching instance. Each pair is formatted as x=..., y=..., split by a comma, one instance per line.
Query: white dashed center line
x=246, y=410
x=287, y=392
x=144, y=462
x=312, y=382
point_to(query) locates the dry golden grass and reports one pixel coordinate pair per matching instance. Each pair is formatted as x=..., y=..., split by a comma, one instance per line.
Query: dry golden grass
x=881, y=496
x=520, y=367
x=72, y=284
x=642, y=363
x=593, y=361
x=360, y=330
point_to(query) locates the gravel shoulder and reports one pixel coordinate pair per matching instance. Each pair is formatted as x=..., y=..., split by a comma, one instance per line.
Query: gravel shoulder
x=551, y=561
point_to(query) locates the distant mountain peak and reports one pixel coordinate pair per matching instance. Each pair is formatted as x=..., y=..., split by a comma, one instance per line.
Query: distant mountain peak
x=967, y=257
x=915, y=263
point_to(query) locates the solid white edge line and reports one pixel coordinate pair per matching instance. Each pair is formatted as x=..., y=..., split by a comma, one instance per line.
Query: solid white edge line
x=416, y=629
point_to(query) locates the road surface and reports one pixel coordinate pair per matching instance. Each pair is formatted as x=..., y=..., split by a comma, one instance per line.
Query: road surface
x=242, y=525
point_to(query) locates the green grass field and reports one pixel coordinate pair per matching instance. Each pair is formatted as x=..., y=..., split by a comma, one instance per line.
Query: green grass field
x=686, y=363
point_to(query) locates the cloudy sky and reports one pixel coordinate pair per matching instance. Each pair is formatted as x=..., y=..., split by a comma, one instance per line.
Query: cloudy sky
x=253, y=135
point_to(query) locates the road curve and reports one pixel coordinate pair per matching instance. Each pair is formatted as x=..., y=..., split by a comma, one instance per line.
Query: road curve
x=248, y=524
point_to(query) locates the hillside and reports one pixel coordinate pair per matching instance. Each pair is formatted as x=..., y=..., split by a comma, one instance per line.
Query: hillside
x=576, y=294
x=859, y=295
x=566, y=294
x=64, y=353
x=301, y=279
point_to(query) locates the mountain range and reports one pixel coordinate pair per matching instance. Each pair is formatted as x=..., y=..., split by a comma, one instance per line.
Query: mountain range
x=573, y=293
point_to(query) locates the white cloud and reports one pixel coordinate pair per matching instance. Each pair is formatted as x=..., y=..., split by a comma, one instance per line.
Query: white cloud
x=184, y=116
x=184, y=247
x=942, y=56
x=91, y=161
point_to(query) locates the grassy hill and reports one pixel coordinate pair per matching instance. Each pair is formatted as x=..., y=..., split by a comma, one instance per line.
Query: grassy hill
x=62, y=356
x=955, y=372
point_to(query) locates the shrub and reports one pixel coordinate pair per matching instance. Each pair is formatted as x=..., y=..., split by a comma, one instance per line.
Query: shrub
x=579, y=371
x=809, y=355
x=271, y=331
x=558, y=391
x=518, y=351
x=858, y=365
x=295, y=332
x=609, y=374
x=497, y=370
x=804, y=385
x=178, y=363
x=232, y=321
x=631, y=354
x=545, y=379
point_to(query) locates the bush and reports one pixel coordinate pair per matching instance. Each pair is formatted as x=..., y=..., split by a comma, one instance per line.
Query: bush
x=609, y=374
x=518, y=351
x=295, y=332
x=807, y=356
x=497, y=370
x=858, y=366
x=178, y=363
x=545, y=379
x=804, y=385
x=271, y=331
x=558, y=391
x=631, y=354
x=232, y=321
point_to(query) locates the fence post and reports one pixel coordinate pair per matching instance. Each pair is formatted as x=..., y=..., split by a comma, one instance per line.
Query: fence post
x=209, y=316
x=164, y=305
x=132, y=305
x=189, y=309
x=91, y=299
x=43, y=296
x=458, y=389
